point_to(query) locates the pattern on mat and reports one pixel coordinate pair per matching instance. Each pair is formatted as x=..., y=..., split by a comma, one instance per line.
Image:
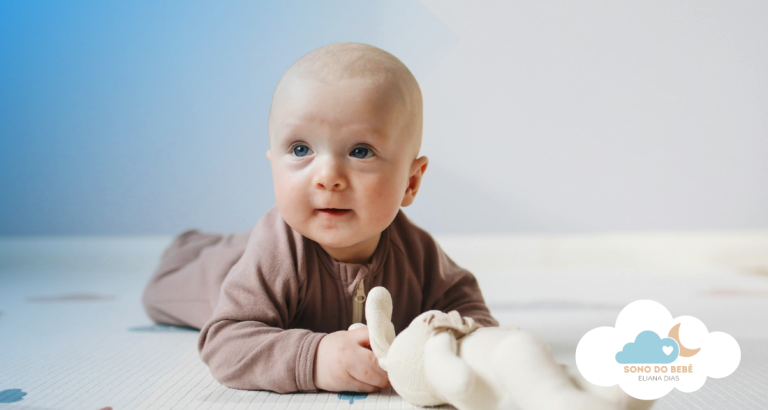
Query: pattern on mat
x=76, y=374
x=744, y=389
x=11, y=395
x=352, y=396
x=189, y=385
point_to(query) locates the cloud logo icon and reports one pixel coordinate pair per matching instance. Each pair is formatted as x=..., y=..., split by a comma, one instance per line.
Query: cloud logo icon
x=649, y=352
x=649, y=348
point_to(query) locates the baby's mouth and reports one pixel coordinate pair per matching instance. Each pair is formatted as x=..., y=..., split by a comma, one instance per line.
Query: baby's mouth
x=334, y=211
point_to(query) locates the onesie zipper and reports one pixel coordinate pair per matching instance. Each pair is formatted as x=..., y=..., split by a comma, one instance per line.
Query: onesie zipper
x=357, y=308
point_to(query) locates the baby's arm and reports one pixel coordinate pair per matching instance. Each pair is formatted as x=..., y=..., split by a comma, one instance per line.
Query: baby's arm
x=253, y=355
x=452, y=287
x=247, y=345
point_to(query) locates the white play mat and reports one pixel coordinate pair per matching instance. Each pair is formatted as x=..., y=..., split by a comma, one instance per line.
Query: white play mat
x=73, y=334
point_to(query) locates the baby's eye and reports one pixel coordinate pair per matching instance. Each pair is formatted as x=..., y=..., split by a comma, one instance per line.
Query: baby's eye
x=361, y=152
x=301, y=150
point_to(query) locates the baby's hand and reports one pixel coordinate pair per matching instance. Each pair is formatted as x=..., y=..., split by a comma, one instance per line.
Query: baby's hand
x=344, y=362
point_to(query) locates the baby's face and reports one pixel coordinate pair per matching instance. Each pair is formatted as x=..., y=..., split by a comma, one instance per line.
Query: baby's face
x=342, y=161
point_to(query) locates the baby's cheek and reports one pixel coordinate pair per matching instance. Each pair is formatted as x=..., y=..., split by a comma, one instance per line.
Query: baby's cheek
x=384, y=205
x=284, y=198
x=291, y=201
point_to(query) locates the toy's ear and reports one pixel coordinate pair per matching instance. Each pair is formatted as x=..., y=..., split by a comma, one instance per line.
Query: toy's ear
x=446, y=372
x=381, y=331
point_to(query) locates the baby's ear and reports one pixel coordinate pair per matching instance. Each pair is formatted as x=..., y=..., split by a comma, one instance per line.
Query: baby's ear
x=418, y=168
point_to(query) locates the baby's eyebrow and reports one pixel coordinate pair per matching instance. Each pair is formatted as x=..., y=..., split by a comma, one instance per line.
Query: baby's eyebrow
x=369, y=136
x=378, y=134
x=292, y=131
x=291, y=138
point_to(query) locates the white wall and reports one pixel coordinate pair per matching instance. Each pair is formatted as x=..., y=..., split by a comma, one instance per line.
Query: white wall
x=560, y=116
x=541, y=116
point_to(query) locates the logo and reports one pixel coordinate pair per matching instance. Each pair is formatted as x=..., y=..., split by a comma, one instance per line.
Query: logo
x=645, y=354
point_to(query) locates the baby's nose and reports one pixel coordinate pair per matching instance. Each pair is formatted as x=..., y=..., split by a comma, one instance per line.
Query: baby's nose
x=326, y=185
x=331, y=177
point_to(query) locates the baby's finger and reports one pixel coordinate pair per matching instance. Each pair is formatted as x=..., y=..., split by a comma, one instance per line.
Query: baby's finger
x=356, y=385
x=365, y=368
x=360, y=336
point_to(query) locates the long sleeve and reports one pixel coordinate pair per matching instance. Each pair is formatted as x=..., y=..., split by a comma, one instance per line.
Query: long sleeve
x=455, y=288
x=249, y=343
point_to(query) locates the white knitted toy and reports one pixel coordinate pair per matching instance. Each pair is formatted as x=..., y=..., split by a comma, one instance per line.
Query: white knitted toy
x=445, y=358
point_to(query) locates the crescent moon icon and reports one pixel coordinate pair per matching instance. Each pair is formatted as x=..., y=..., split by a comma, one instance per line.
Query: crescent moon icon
x=684, y=351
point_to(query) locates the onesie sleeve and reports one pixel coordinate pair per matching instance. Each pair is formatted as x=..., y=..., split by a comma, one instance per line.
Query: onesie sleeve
x=248, y=343
x=451, y=287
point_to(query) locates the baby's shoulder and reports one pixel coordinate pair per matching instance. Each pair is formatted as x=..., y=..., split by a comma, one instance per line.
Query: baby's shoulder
x=411, y=238
x=273, y=238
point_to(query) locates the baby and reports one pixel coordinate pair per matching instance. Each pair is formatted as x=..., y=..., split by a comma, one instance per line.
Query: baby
x=273, y=303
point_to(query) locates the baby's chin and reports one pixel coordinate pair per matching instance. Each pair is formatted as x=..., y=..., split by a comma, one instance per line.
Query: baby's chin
x=335, y=239
x=344, y=234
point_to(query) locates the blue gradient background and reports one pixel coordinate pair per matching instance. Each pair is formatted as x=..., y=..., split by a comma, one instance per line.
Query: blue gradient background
x=148, y=117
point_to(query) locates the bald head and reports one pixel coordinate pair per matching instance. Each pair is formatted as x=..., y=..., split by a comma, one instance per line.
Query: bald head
x=339, y=62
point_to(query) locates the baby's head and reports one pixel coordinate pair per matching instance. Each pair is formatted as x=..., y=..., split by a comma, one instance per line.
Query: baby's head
x=345, y=132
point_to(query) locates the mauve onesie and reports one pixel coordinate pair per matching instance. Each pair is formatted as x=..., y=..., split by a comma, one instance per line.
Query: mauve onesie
x=263, y=299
